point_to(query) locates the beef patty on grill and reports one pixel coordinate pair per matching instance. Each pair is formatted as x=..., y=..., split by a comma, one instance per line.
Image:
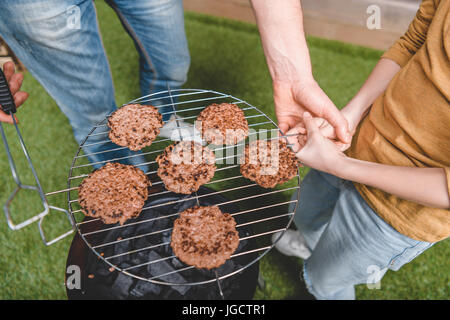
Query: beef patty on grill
x=134, y=126
x=114, y=193
x=185, y=166
x=223, y=123
x=268, y=163
x=204, y=237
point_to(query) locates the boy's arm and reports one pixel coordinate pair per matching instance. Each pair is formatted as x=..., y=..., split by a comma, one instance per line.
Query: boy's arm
x=427, y=186
x=373, y=87
x=390, y=63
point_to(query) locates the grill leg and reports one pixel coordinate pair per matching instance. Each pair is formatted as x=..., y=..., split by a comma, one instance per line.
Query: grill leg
x=261, y=282
x=220, y=287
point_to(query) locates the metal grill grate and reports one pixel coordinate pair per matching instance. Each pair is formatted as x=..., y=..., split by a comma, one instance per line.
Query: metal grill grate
x=267, y=211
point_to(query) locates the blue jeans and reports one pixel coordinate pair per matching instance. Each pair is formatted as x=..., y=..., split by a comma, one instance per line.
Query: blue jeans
x=60, y=44
x=350, y=243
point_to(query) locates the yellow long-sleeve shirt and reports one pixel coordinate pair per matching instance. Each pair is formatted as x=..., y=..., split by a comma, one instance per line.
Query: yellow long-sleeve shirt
x=409, y=124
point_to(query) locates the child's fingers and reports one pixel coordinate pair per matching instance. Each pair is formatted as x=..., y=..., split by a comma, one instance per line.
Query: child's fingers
x=302, y=140
x=292, y=139
x=342, y=146
x=298, y=129
x=301, y=129
x=328, y=132
x=311, y=126
x=15, y=82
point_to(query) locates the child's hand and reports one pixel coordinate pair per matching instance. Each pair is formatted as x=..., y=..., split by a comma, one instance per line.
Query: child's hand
x=318, y=152
x=297, y=136
x=328, y=132
x=353, y=118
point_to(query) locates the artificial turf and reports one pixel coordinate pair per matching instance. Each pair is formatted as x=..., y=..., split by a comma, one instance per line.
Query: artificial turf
x=227, y=57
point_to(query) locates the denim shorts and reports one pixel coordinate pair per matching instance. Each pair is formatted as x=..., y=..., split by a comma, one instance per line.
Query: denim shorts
x=350, y=243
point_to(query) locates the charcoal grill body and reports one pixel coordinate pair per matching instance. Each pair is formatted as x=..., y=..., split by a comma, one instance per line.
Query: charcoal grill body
x=100, y=281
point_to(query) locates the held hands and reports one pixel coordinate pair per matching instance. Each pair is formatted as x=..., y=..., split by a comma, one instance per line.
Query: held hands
x=292, y=99
x=328, y=131
x=318, y=147
x=317, y=151
x=319, y=141
x=15, y=83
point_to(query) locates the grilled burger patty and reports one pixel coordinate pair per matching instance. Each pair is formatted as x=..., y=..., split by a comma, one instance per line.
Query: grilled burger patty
x=134, y=126
x=114, y=193
x=223, y=123
x=269, y=163
x=204, y=237
x=185, y=166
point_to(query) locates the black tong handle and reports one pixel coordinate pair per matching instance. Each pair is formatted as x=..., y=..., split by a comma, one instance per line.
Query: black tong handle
x=6, y=98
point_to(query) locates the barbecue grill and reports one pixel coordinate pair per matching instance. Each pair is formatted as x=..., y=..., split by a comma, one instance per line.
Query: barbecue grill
x=262, y=211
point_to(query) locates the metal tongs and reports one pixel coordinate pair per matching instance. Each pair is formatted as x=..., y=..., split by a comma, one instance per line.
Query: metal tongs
x=8, y=106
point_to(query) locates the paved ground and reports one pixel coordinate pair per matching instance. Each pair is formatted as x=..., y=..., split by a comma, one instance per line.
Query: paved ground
x=344, y=20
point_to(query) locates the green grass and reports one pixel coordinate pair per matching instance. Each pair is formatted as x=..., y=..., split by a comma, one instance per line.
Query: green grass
x=227, y=57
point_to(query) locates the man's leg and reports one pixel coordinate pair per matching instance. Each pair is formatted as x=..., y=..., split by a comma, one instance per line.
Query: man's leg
x=59, y=42
x=356, y=247
x=158, y=30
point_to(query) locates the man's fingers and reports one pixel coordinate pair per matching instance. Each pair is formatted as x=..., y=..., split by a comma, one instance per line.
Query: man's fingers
x=300, y=127
x=328, y=132
x=337, y=120
x=284, y=127
x=311, y=126
x=20, y=97
x=9, y=69
x=6, y=118
x=320, y=122
x=344, y=134
x=15, y=83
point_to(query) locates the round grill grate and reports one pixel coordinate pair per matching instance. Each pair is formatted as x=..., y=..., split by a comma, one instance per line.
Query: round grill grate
x=259, y=212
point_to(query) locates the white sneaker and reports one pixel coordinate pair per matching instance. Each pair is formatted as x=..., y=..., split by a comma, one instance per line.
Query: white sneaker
x=291, y=243
x=177, y=130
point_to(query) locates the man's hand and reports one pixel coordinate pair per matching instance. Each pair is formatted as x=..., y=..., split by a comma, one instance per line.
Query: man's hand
x=280, y=25
x=351, y=113
x=293, y=99
x=15, y=82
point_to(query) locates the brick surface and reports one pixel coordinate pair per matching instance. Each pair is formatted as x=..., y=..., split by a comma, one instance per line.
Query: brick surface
x=343, y=20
